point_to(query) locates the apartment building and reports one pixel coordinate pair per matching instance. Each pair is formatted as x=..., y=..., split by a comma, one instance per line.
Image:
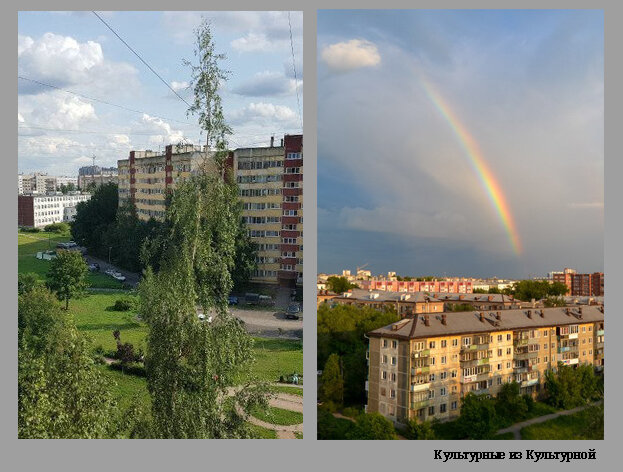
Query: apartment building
x=582, y=285
x=421, y=367
x=270, y=180
x=441, y=286
x=271, y=189
x=405, y=304
x=41, y=210
x=96, y=175
x=147, y=176
x=40, y=183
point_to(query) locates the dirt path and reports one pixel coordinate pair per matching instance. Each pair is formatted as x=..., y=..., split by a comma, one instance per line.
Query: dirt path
x=517, y=427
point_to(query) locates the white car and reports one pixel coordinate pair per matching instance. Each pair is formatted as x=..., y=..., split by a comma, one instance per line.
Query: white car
x=119, y=277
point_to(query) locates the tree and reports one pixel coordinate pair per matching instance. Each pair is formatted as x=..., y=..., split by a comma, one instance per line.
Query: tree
x=206, y=78
x=554, y=301
x=372, y=426
x=67, y=275
x=246, y=252
x=94, y=218
x=61, y=394
x=569, y=387
x=478, y=418
x=332, y=382
x=339, y=284
x=509, y=404
x=422, y=430
x=26, y=282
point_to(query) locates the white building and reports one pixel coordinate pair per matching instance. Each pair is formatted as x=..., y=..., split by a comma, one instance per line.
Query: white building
x=41, y=210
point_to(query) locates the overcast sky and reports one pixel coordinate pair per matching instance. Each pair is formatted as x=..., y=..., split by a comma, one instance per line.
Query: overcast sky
x=395, y=185
x=76, y=52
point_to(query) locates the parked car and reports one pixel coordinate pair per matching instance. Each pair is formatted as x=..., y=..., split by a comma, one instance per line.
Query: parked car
x=294, y=308
x=292, y=316
x=251, y=298
x=109, y=272
x=232, y=300
x=119, y=277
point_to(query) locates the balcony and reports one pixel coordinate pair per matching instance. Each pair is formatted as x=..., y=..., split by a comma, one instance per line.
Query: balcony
x=420, y=387
x=474, y=347
x=475, y=378
x=600, y=332
x=521, y=342
x=420, y=404
x=528, y=383
x=527, y=355
x=473, y=362
x=420, y=370
x=523, y=369
x=563, y=349
x=418, y=354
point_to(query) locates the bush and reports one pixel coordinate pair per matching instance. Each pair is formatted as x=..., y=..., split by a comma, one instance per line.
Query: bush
x=372, y=426
x=421, y=430
x=57, y=228
x=31, y=230
x=123, y=304
x=351, y=412
x=130, y=369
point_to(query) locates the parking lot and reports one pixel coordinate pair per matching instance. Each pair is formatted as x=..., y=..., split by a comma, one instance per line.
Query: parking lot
x=269, y=323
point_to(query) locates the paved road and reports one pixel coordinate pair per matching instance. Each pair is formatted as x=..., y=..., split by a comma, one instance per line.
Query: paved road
x=131, y=278
x=517, y=427
x=268, y=323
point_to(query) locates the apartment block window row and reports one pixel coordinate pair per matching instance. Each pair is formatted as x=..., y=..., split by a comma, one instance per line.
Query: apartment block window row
x=251, y=165
x=260, y=233
x=264, y=273
x=266, y=260
x=259, y=179
x=261, y=206
x=294, y=155
x=259, y=220
x=268, y=247
x=150, y=181
x=259, y=192
x=293, y=170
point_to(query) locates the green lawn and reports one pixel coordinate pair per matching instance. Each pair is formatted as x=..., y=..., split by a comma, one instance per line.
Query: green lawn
x=278, y=416
x=93, y=315
x=28, y=244
x=276, y=357
x=298, y=435
x=262, y=433
x=508, y=435
x=288, y=390
x=126, y=388
x=586, y=424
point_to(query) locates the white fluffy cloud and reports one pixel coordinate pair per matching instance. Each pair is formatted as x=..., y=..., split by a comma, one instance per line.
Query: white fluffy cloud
x=350, y=55
x=177, y=86
x=62, y=61
x=56, y=110
x=266, y=113
x=158, y=130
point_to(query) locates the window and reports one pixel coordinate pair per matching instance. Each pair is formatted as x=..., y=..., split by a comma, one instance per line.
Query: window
x=431, y=378
x=384, y=359
x=443, y=375
x=455, y=342
x=384, y=342
x=392, y=393
x=508, y=337
x=443, y=359
x=499, y=352
x=443, y=392
x=467, y=341
x=431, y=345
x=394, y=344
x=393, y=360
x=508, y=351
x=444, y=343
x=499, y=337
x=384, y=375
x=431, y=394
x=453, y=405
x=499, y=380
x=393, y=376
x=545, y=359
x=432, y=361
x=453, y=374
x=499, y=366
x=431, y=410
x=442, y=408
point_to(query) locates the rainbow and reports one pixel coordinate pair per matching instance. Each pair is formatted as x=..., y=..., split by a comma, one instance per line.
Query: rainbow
x=478, y=164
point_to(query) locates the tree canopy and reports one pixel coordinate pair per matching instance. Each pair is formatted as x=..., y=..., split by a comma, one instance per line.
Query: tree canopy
x=67, y=275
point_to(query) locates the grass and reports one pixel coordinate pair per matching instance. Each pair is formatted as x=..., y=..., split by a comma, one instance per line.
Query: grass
x=508, y=435
x=288, y=390
x=276, y=357
x=28, y=244
x=259, y=432
x=126, y=388
x=278, y=416
x=585, y=424
x=93, y=316
x=298, y=435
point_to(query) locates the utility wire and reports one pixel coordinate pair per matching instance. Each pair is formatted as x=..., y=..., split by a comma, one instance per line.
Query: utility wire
x=296, y=82
x=141, y=59
x=103, y=101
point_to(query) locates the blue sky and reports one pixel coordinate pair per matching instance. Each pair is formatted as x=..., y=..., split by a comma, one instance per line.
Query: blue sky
x=395, y=187
x=76, y=52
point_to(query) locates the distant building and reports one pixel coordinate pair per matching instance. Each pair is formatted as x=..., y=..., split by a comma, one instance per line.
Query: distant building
x=36, y=211
x=583, y=285
x=96, y=174
x=442, y=286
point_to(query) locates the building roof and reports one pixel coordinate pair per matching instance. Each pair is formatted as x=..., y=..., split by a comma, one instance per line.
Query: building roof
x=470, y=322
x=384, y=296
x=473, y=297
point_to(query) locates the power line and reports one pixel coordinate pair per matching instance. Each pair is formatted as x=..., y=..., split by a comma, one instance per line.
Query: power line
x=80, y=131
x=296, y=82
x=141, y=59
x=101, y=101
